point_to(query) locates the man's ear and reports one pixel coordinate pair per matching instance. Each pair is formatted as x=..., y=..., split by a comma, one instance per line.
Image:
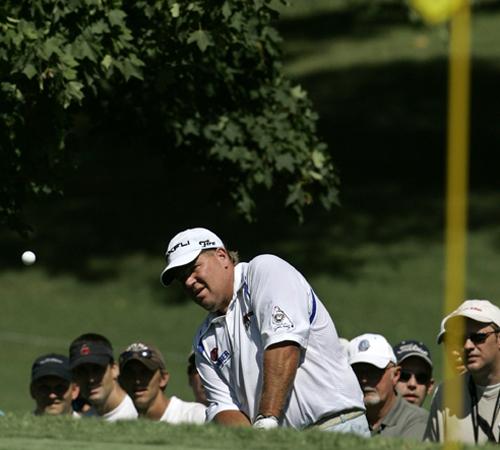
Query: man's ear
x=115, y=370
x=221, y=253
x=396, y=372
x=430, y=386
x=164, y=378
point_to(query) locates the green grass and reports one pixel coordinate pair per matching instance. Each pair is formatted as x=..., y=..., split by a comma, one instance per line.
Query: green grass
x=26, y=433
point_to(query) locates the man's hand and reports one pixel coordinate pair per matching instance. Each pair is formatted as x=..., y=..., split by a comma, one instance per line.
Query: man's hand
x=265, y=423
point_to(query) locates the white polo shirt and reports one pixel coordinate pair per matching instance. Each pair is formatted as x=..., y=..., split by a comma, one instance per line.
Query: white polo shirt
x=272, y=302
x=179, y=411
x=124, y=411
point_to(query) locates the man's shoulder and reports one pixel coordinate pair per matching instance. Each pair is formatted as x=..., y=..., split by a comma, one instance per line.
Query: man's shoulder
x=406, y=420
x=179, y=411
x=265, y=264
x=183, y=404
x=404, y=411
x=415, y=411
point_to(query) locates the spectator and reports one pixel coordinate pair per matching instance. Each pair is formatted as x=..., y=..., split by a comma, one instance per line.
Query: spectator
x=415, y=379
x=374, y=363
x=194, y=381
x=51, y=386
x=144, y=376
x=268, y=352
x=96, y=372
x=479, y=420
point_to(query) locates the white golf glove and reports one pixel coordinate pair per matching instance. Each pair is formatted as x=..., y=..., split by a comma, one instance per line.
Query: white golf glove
x=265, y=423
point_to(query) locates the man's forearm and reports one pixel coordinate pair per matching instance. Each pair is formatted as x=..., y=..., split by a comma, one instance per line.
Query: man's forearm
x=280, y=366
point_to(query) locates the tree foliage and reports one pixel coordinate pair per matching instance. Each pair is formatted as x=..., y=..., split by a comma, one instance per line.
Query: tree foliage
x=204, y=74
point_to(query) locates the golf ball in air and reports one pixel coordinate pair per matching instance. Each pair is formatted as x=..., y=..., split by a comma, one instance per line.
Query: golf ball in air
x=28, y=258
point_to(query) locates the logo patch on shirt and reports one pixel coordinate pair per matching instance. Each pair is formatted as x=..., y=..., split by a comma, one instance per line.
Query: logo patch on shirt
x=280, y=320
x=214, y=354
x=223, y=359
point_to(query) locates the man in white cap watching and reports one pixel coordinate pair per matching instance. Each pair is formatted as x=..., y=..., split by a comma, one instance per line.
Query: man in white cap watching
x=374, y=363
x=268, y=352
x=479, y=420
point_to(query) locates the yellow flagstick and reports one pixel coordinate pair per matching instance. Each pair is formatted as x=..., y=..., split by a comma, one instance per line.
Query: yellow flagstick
x=457, y=187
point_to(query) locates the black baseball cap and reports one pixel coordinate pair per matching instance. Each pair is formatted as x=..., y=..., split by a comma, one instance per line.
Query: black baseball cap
x=51, y=364
x=88, y=352
x=408, y=348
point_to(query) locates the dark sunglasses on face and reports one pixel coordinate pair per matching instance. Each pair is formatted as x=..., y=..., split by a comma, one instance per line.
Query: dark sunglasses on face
x=478, y=338
x=146, y=353
x=46, y=389
x=421, y=377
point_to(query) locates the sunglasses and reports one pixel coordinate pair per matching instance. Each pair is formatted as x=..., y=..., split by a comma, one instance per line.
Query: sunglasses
x=478, y=338
x=146, y=353
x=421, y=377
x=46, y=389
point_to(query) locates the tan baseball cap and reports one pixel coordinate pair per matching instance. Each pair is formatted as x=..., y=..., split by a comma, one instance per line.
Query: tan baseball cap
x=147, y=354
x=478, y=310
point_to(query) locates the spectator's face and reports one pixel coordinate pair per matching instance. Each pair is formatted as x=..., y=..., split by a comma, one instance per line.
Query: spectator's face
x=143, y=385
x=483, y=355
x=415, y=380
x=377, y=384
x=209, y=279
x=96, y=382
x=53, y=395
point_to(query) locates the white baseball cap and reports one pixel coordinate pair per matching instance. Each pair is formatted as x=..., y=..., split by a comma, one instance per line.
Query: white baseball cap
x=371, y=349
x=185, y=247
x=478, y=310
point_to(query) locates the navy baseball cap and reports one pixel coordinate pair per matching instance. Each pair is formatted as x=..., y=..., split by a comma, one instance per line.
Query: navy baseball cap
x=405, y=349
x=51, y=364
x=88, y=352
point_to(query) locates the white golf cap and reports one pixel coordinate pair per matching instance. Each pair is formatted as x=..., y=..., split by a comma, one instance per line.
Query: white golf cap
x=478, y=310
x=185, y=247
x=371, y=349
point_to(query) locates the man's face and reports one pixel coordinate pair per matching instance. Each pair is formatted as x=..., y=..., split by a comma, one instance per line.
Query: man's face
x=209, y=279
x=415, y=380
x=53, y=395
x=142, y=384
x=96, y=382
x=483, y=356
x=377, y=384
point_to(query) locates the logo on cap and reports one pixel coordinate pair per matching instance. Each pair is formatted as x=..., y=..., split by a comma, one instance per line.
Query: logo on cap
x=85, y=350
x=176, y=246
x=364, y=345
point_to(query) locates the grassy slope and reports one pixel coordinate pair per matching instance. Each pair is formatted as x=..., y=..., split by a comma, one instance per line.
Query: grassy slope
x=23, y=432
x=377, y=262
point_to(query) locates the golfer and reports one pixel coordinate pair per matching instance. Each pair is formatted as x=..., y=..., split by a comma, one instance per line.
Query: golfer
x=268, y=352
